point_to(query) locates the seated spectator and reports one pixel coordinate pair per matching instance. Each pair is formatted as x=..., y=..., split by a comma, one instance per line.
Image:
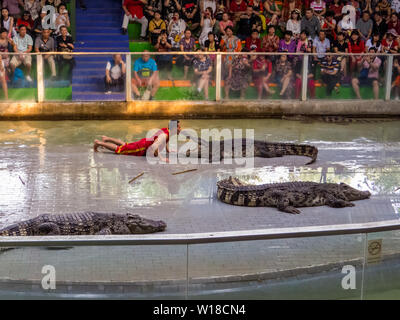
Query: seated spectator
x=294, y=23
x=310, y=23
x=145, y=74
x=253, y=43
x=164, y=62
x=356, y=45
x=341, y=46
x=225, y=22
x=62, y=18
x=187, y=44
x=22, y=44
x=170, y=7
x=374, y=41
x=394, y=23
x=380, y=25
x=389, y=44
x=5, y=46
x=176, y=30
x=284, y=75
x=229, y=43
x=212, y=45
x=304, y=44
x=336, y=7
x=191, y=14
x=248, y=21
x=238, y=75
x=329, y=26
x=237, y=8
x=287, y=44
x=151, y=7
x=262, y=72
x=330, y=74
x=364, y=26
x=156, y=25
x=270, y=42
x=202, y=65
x=384, y=9
x=369, y=74
x=34, y=7
x=346, y=25
x=134, y=12
x=13, y=7
x=65, y=44
x=272, y=11
x=115, y=74
x=27, y=22
x=396, y=77
x=319, y=7
x=3, y=78
x=321, y=45
x=7, y=22
x=207, y=23
x=45, y=43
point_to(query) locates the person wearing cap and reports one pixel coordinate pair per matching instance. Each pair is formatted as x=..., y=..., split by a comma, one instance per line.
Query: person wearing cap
x=369, y=74
x=389, y=43
x=153, y=145
x=294, y=23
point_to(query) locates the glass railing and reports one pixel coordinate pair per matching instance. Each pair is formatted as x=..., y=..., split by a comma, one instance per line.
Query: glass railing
x=200, y=76
x=353, y=261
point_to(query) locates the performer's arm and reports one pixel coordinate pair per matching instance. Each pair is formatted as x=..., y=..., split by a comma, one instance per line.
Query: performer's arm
x=158, y=146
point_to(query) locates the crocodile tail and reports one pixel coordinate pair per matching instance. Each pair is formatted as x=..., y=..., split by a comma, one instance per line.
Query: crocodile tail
x=291, y=149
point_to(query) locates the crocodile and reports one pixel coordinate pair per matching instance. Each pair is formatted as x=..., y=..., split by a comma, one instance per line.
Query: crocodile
x=262, y=149
x=337, y=119
x=84, y=223
x=287, y=197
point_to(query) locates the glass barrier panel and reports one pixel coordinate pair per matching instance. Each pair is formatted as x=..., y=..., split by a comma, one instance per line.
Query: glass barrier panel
x=395, y=81
x=347, y=77
x=18, y=77
x=175, y=77
x=382, y=271
x=124, y=272
x=303, y=268
x=58, y=74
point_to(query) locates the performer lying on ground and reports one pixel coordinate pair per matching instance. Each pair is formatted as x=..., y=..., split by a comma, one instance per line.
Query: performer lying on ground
x=155, y=144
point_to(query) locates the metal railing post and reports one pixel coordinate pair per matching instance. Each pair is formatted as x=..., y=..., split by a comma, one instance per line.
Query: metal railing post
x=304, y=78
x=40, y=78
x=218, y=75
x=128, y=78
x=388, y=77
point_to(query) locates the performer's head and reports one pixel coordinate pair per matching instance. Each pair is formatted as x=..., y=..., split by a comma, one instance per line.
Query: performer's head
x=174, y=126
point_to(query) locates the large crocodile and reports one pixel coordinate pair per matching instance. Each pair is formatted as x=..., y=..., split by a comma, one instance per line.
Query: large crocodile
x=262, y=149
x=337, y=119
x=86, y=223
x=287, y=196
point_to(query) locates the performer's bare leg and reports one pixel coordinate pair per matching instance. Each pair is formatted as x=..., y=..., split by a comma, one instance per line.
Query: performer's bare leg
x=112, y=140
x=109, y=146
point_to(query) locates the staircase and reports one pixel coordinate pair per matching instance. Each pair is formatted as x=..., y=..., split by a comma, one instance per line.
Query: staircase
x=98, y=29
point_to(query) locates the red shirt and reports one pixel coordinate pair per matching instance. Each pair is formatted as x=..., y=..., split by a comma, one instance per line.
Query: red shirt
x=253, y=45
x=356, y=47
x=258, y=64
x=238, y=7
x=135, y=7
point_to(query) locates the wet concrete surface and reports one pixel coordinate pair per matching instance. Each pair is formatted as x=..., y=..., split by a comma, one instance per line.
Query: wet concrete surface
x=50, y=167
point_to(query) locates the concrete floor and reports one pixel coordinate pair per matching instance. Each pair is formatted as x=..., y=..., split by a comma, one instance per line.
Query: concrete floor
x=50, y=167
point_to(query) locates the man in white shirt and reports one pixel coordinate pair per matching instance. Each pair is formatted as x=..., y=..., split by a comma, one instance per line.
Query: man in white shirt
x=22, y=44
x=115, y=74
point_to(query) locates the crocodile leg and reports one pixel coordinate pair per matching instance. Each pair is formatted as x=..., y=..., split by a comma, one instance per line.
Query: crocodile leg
x=48, y=229
x=339, y=203
x=283, y=205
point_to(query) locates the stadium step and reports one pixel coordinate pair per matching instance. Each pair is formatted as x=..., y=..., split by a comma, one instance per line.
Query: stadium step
x=98, y=29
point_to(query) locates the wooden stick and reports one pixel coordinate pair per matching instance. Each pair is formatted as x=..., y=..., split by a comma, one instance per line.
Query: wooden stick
x=21, y=180
x=138, y=176
x=180, y=172
x=397, y=189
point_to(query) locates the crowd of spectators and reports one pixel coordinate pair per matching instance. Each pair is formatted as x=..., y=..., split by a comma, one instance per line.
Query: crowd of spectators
x=319, y=26
x=27, y=26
